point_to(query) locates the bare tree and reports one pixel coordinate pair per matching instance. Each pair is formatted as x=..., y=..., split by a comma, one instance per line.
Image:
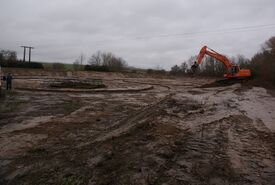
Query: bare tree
x=242, y=61
x=76, y=65
x=95, y=59
x=8, y=55
x=107, y=58
x=263, y=63
x=58, y=66
x=184, y=67
x=270, y=45
x=1, y=56
x=81, y=59
x=175, y=70
x=218, y=68
x=108, y=61
x=209, y=64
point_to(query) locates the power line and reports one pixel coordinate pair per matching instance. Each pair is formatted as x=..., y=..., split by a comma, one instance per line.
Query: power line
x=187, y=34
x=229, y=30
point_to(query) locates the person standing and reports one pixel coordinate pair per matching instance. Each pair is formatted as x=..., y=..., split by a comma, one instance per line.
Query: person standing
x=9, y=81
x=0, y=82
x=1, y=78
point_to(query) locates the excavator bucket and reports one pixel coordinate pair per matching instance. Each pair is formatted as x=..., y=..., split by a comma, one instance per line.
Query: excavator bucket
x=194, y=68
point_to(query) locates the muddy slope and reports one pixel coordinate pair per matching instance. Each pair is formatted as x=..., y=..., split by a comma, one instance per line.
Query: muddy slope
x=180, y=135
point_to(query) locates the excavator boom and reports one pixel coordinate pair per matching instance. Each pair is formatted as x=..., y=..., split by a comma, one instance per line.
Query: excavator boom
x=231, y=71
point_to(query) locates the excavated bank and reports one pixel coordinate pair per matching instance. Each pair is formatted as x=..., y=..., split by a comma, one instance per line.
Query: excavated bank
x=224, y=82
x=117, y=90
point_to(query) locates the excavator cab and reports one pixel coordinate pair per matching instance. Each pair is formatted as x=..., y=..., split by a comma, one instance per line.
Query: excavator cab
x=233, y=70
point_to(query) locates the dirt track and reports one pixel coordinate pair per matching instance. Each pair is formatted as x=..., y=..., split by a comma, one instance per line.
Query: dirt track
x=175, y=133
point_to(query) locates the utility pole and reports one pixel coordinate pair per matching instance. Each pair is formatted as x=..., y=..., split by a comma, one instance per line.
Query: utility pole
x=30, y=53
x=24, y=54
x=30, y=48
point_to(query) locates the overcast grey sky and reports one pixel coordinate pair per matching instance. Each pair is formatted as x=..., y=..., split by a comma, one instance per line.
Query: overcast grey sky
x=134, y=29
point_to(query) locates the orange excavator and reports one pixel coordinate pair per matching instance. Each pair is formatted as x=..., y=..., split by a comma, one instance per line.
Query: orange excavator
x=231, y=71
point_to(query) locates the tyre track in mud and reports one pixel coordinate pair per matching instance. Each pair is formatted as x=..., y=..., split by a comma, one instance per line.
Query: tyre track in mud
x=252, y=151
x=206, y=150
x=231, y=151
x=133, y=120
x=55, y=150
x=148, y=83
x=209, y=153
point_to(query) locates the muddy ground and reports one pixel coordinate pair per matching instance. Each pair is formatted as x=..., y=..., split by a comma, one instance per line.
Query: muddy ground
x=175, y=133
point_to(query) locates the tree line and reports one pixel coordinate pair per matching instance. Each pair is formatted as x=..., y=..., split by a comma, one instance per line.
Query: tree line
x=262, y=63
x=8, y=58
x=8, y=55
x=101, y=61
x=208, y=67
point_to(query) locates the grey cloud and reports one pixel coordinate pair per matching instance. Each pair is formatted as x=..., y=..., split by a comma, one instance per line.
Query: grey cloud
x=62, y=29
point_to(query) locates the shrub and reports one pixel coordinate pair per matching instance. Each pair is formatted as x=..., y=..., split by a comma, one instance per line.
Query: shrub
x=58, y=66
x=20, y=64
x=96, y=68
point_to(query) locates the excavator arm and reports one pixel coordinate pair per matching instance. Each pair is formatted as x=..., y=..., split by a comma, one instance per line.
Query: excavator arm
x=207, y=51
x=231, y=71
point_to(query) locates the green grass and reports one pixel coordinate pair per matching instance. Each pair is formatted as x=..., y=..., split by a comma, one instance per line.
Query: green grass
x=69, y=67
x=73, y=180
x=49, y=66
